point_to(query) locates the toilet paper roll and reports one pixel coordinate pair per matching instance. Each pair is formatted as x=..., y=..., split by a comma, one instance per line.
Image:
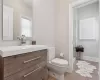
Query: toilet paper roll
x=62, y=55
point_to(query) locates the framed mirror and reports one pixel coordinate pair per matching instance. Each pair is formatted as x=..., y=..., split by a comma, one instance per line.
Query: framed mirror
x=17, y=19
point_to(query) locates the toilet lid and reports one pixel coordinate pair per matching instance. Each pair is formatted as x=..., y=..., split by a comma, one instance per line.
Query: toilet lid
x=60, y=62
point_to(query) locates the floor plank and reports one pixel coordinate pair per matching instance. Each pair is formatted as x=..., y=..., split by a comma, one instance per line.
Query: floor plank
x=51, y=78
x=75, y=76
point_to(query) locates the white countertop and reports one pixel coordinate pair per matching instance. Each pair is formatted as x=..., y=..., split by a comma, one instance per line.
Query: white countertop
x=15, y=50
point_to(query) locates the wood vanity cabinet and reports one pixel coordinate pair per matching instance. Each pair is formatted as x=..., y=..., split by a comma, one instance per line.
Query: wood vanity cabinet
x=27, y=66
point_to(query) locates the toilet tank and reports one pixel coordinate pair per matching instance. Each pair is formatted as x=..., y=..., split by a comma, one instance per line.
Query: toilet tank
x=51, y=53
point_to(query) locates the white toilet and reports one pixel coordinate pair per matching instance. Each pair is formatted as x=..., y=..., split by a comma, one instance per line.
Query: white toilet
x=56, y=65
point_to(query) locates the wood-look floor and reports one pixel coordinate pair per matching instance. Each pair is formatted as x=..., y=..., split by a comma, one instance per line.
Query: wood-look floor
x=75, y=76
x=51, y=78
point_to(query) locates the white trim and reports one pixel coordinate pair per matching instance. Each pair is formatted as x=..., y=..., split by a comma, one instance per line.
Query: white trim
x=86, y=3
x=70, y=38
x=94, y=59
x=99, y=74
x=99, y=41
x=71, y=8
x=74, y=59
x=82, y=2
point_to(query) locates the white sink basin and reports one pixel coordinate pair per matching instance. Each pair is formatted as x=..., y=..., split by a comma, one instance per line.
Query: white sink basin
x=14, y=50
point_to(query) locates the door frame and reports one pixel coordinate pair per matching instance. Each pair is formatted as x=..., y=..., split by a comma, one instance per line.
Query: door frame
x=74, y=4
x=99, y=41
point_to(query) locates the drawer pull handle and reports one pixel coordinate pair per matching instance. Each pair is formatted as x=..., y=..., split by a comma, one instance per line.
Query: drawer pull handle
x=32, y=72
x=32, y=60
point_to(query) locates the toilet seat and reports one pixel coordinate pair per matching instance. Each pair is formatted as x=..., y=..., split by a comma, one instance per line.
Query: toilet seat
x=59, y=62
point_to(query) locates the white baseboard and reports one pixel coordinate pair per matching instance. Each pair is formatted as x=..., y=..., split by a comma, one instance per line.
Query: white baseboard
x=69, y=70
x=74, y=59
x=99, y=74
x=94, y=59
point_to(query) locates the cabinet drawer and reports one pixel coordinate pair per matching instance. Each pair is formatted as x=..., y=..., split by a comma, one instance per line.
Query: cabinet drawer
x=38, y=72
x=23, y=61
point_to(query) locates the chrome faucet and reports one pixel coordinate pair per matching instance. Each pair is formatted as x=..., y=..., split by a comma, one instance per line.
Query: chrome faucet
x=22, y=38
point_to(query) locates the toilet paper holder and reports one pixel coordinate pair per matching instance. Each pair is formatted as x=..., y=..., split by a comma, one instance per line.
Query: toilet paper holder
x=61, y=55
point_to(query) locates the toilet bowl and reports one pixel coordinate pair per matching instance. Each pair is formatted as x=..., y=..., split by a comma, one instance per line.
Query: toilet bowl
x=57, y=65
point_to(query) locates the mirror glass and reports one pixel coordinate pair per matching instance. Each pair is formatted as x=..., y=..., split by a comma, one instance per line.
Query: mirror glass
x=17, y=19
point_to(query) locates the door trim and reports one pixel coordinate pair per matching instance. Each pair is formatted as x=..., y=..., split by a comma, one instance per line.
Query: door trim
x=73, y=5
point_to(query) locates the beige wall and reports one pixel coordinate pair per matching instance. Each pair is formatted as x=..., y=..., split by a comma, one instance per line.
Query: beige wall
x=62, y=28
x=44, y=22
x=44, y=19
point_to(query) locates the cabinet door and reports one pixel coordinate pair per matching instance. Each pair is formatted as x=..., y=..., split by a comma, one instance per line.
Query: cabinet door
x=34, y=76
x=7, y=23
x=30, y=75
x=41, y=74
x=38, y=72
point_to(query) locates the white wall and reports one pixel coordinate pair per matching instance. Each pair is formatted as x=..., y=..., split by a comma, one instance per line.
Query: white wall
x=44, y=22
x=91, y=46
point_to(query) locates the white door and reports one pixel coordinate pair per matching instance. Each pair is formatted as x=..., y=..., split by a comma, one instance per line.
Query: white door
x=7, y=23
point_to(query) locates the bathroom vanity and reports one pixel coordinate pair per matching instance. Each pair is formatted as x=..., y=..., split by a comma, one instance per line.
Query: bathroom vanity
x=23, y=63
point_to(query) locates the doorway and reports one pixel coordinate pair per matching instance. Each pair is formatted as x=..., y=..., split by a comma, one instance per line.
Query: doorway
x=86, y=29
x=89, y=39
